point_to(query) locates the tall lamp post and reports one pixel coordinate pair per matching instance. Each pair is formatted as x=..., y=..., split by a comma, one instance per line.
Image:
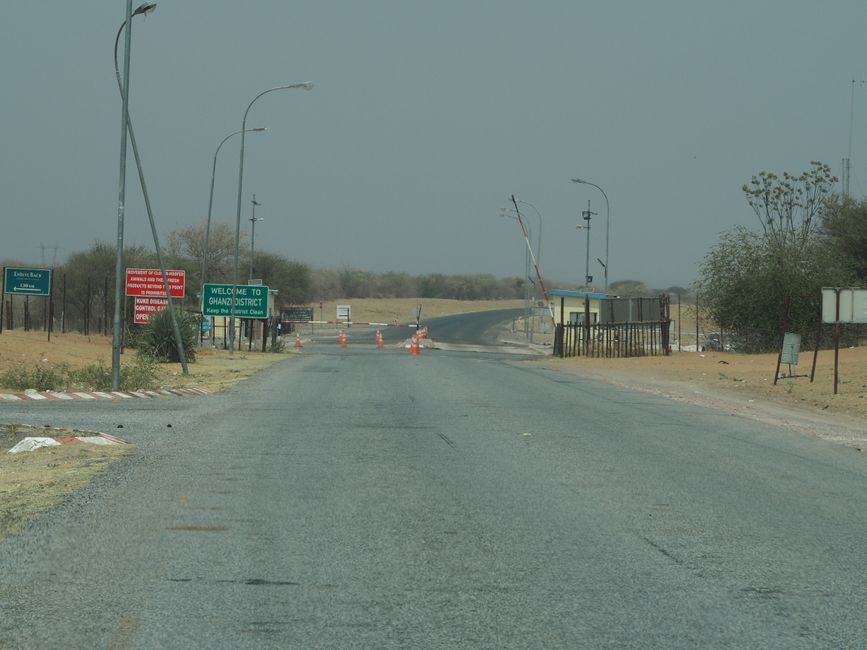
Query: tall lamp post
x=253, y=221
x=123, y=87
x=211, y=201
x=307, y=85
x=539, y=236
x=607, y=223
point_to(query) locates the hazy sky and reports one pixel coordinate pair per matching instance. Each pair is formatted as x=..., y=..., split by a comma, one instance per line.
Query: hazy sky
x=425, y=117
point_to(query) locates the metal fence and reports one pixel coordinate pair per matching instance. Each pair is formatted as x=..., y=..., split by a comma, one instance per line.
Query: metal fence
x=647, y=335
x=612, y=340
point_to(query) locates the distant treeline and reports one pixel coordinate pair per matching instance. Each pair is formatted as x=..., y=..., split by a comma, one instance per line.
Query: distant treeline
x=353, y=283
x=84, y=283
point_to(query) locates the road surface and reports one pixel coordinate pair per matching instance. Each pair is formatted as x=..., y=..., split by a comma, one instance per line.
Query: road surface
x=368, y=498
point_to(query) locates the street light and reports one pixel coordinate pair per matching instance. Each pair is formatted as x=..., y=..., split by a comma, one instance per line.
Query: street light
x=607, y=223
x=211, y=200
x=539, y=237
x=510, y=213
x=307, y=85
x=121, y=201
x=127, y=131
x=123, y=87
x=253, y=221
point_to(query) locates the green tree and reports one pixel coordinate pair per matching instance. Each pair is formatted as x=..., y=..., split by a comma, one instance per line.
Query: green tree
x=89, y=278
x=186, y=246
x=290, y=279
x=631, y=289
x=750, y=278
x=844, y=229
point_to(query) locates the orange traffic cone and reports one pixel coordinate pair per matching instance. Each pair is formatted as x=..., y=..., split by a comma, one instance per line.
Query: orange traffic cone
x=379, y=341
x=297, y=341
x=413, y=346
x=341, y=338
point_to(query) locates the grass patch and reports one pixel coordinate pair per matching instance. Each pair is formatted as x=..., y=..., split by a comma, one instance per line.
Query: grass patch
x=33, y=482
x=140, y=375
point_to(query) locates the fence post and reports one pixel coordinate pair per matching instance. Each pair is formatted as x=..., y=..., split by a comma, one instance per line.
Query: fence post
x=63, y=308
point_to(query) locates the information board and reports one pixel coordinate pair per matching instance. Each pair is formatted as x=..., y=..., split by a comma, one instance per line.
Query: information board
x=147, y=307
x=302, y=314
x=250, y=301
x=26, y=282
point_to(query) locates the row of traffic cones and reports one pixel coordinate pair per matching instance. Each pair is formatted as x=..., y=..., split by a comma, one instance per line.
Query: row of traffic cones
x=414, y=347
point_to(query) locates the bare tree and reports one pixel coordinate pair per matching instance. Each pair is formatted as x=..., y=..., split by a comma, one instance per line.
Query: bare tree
x=789, y=209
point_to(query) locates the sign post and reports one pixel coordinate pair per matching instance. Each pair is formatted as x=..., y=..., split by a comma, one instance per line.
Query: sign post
x=25, y=282
x=842, y=306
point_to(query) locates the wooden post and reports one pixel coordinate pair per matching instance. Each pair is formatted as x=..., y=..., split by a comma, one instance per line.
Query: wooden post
x=87, y=310
x=836, y=339
x=816, y=347
x=562, y=327
x=63, y=308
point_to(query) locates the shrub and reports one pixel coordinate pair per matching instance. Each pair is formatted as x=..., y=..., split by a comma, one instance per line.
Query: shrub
x=141, y=375
x=156, y=339
x=39, y=377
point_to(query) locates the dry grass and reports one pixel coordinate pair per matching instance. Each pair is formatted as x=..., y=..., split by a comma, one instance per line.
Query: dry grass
x=33, y=482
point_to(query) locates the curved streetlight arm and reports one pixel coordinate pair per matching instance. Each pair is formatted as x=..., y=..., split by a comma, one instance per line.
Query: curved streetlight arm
x=539, y=238
x=306, y=85
x=533, y=258
x=211, y=199
x=142, y=10
x=607, y=222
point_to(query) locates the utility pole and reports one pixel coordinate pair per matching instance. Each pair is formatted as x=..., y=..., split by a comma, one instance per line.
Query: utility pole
x=847, y=161
x=587, y=215
x=253, y=221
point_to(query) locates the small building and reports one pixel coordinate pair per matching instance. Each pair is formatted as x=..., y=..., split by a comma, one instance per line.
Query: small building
x=569, y=306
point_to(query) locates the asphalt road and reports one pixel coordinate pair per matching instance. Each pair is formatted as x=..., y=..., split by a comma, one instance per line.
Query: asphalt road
x=367, y=498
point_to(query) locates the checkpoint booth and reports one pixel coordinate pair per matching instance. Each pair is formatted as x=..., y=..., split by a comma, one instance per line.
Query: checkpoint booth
x=569, y=307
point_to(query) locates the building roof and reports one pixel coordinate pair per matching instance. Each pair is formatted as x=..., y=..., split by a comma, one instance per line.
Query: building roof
x=564, y=293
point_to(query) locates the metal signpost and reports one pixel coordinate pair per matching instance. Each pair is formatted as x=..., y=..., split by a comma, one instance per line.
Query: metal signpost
x=26, y=282
x=842, y=306
x=344, y=314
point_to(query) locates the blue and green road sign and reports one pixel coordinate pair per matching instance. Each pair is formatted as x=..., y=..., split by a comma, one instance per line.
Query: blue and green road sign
x=26, y=282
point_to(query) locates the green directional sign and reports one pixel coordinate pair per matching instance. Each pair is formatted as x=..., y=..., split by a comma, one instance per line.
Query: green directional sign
x=250, y=301
x=27, y=282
